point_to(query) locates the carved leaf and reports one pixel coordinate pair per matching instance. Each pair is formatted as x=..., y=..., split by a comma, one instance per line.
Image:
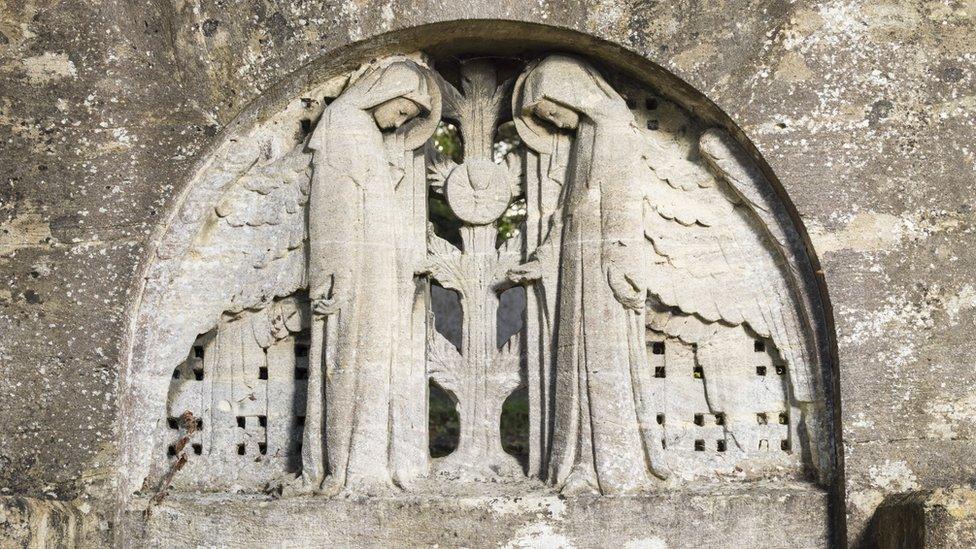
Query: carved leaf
x=443, y=361
x=440, y=168
x=507, y=367
x=509, y=257
x=445, y=262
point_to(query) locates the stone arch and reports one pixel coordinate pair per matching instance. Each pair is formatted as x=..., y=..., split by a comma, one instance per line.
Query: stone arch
x=165, y=324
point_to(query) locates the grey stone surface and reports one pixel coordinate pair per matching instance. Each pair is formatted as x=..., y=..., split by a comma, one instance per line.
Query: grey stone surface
x=38, y=523
x=941, y=518
x=863, y=110
x=502, y=516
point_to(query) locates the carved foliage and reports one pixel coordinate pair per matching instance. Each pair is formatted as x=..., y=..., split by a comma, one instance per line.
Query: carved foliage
x=670, y=324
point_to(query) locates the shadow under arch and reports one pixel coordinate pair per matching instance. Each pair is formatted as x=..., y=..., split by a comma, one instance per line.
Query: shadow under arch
x=146, y=372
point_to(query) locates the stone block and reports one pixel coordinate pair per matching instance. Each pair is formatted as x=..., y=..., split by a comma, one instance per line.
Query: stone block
x=932, y=519
x=516, y=515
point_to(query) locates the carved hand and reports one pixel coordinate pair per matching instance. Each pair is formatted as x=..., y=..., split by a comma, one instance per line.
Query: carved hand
x=326, y=307
x=526, y=272
x=629, y=294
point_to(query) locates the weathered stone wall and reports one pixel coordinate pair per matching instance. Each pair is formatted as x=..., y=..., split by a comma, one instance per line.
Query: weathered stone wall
x=864, y=110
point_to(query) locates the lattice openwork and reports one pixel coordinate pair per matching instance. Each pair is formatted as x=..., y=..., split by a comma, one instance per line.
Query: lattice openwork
x=479, y=261
x=246, y=401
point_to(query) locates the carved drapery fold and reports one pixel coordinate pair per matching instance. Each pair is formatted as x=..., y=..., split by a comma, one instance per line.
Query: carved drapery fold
x=669, y=322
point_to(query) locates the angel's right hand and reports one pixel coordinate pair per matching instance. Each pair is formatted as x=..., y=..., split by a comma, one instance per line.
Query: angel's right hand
x=325, y=307
x=526, y=272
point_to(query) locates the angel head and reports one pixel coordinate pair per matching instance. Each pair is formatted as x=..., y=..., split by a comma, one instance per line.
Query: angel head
x=397, y=94
x=560, y=93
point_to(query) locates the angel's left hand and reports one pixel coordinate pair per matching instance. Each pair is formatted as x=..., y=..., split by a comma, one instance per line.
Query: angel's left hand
x=624, y=289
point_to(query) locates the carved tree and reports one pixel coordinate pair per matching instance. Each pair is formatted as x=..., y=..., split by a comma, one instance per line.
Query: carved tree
x=479, y=376
x=636, y=212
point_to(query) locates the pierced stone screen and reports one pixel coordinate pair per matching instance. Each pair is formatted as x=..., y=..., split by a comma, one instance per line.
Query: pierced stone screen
x=471, y=270
x=236, y=406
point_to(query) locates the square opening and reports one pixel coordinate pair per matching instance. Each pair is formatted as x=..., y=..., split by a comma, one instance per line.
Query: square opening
x=699, y=419
x=199, y=423
x=660, y=419
x=720, y=418
x=650, y=103
x=198, y=374
x=197, y=449
x=173, y=422
x=659, y=371
x=759, y=346
x=698, y=373
x=720, y=445
x=760, y=370
x=198, y=351
x=241, y=449
x=301, y=350
x=784, y=445
x=262, y=448
x=652, y=124
x=241, y=422
x=657, y=348
x=784, y=418
x=762, y=418
x=263, y=421
x=764, y=445
x=699, y=445
x=263, y=372
x=171, y=450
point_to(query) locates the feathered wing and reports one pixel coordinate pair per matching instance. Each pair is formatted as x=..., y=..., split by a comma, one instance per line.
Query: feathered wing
x=252, y=248
x=715, y=259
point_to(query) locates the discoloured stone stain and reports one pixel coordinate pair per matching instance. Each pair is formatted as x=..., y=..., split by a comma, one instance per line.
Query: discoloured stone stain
x=48, y=67
x=25, y=230
x=792, y=68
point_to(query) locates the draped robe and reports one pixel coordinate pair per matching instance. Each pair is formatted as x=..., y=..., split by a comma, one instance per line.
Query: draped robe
x=597, y=441
x=353, y=261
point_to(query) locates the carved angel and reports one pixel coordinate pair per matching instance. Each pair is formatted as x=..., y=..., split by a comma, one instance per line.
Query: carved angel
x=354, y=273
x=597, y=441
x=639, y=226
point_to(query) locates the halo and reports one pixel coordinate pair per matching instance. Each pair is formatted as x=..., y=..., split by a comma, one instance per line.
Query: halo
x=533, y=133
x=418, y=131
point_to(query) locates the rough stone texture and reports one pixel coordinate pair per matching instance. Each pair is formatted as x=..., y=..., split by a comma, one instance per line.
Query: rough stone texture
x=942, y=518
x=863, y=109
x=498, y=519
x=34, y=522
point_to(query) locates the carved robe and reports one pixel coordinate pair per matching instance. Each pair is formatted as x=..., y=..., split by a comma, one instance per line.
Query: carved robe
x=353, y=264
x=597, y=442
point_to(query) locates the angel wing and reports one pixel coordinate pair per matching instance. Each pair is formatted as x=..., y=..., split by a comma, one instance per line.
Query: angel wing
x=720, y=256
x=252, y=247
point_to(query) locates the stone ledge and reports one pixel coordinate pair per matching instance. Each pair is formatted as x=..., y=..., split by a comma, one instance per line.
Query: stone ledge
x=755, y=515
x=933, y=519
x=36, y=522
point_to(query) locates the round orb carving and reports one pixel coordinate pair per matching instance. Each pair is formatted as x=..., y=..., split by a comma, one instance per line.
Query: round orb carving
x=478, y=191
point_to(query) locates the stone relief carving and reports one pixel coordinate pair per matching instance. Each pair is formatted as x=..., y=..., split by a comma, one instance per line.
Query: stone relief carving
x=479, y=374
x=362, y=260
x=668, y=326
